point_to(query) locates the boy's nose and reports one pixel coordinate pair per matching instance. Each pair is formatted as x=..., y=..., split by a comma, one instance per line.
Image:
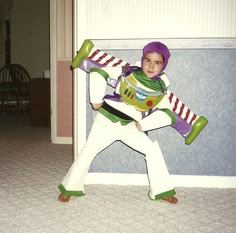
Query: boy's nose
x=151, y=65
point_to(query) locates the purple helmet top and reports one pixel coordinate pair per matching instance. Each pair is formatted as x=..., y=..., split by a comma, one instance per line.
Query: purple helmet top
x=158, y=47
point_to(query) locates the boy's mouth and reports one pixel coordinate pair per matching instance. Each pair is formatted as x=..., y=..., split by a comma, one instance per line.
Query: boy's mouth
x=150, y=74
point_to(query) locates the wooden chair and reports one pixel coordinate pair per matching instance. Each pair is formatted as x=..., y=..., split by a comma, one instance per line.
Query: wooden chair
x=22, y=79
x=8, y=90
x=14, y=88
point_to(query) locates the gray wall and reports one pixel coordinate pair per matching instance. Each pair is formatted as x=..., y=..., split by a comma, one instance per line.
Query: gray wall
x=205, y=81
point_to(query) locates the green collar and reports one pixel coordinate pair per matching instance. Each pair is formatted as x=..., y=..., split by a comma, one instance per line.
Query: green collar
x=158, y=85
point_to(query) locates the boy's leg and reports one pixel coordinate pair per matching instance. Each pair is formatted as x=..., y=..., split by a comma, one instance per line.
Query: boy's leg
x=101, y=136
x=159, y=178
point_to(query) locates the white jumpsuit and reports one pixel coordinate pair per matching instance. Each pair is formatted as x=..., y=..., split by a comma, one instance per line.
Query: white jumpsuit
x=104, y=132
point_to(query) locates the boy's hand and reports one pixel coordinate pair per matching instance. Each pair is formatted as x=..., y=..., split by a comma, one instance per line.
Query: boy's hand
x=96, y=106
x=138, y=126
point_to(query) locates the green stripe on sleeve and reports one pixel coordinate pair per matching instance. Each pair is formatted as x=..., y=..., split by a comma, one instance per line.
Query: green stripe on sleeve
x=170, y=114
x=103, y=73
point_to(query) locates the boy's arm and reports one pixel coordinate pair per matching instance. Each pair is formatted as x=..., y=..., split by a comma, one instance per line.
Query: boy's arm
x=96, y=106
x=164, y=77
x=98, y=80
x=162, y=116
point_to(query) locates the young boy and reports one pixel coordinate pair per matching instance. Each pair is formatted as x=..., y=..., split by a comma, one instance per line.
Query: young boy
x=138, y=104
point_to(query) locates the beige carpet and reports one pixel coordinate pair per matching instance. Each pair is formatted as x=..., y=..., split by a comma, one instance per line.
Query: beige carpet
x=31, y=168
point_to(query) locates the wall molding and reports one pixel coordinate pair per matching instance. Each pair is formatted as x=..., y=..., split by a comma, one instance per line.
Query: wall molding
x=178, y=180
x=53, y=67
x=62, y=140
x=172, y=43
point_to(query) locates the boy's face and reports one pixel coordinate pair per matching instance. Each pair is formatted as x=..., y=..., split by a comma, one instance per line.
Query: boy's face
x=152, y=64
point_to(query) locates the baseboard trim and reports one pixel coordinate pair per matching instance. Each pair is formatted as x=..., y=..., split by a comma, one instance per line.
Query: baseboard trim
x=62, y=140
x=178, y=180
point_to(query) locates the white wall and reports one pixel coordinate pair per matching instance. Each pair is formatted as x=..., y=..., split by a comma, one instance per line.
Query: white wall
x=159, y=18
x=2, y=43
x=5, y=8
x=182, y=24
x=30, y=35
x=122, y=20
